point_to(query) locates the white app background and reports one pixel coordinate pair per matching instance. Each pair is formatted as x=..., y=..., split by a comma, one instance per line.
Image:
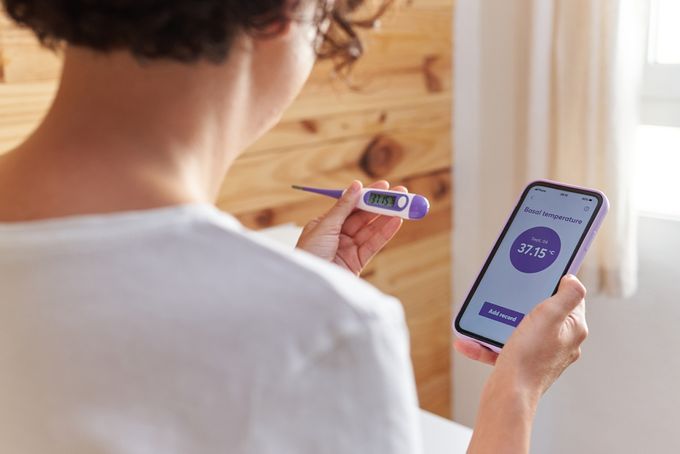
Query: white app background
x=503, y=285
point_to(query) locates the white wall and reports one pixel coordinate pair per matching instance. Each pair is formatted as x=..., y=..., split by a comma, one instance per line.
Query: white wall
x=481, y=59
x=623, y=396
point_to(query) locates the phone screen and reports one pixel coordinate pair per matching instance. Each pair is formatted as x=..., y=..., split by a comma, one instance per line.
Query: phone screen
x=535, y=250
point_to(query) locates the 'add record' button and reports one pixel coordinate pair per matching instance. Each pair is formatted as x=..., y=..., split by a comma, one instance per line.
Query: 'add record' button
x=501, y=314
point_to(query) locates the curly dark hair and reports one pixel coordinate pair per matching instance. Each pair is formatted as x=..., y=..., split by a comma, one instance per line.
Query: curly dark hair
x=186, y=30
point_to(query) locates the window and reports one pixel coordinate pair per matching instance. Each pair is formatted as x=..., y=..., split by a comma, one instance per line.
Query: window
x=658, y=185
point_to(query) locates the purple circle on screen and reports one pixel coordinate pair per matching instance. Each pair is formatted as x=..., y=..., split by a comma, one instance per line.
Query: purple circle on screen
x=535, y=249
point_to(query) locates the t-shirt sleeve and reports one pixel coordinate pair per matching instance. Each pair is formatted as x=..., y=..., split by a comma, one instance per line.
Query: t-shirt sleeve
x=357, y=396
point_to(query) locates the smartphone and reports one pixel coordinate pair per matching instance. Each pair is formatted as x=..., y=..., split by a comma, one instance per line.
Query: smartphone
x=547, y=236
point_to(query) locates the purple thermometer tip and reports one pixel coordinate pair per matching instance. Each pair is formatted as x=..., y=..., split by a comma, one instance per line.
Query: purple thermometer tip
x=335, y=193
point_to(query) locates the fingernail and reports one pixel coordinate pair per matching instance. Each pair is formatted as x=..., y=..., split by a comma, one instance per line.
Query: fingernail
x=354, y=187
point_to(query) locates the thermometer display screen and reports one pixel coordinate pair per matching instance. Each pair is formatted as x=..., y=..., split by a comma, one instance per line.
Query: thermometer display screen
x=382, y=200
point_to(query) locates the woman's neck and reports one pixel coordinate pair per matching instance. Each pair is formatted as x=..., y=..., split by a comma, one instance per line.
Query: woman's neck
x=122, y=136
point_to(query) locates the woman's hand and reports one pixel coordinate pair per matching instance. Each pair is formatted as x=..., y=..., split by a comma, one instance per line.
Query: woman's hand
x=550, y=340
x=349, y=237
x=544, y=344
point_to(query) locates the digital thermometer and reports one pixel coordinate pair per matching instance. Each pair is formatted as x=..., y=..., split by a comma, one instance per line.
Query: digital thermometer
x=382, y=201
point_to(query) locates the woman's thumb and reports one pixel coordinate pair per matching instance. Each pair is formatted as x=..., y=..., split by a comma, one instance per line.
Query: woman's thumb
x=569, y=295
x=344, y=206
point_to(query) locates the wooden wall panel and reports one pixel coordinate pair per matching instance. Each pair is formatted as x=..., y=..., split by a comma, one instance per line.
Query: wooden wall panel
x=391, y=155
x=21, y=108
x=22, y=58
x=394, y=122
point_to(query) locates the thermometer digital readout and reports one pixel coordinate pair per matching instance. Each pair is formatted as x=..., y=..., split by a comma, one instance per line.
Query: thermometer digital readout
x=382, y=201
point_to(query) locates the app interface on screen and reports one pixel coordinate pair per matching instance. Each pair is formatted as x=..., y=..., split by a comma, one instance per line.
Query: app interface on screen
x=530, y=260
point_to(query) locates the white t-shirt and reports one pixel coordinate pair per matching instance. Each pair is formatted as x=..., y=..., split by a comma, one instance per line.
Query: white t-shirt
x=176, y=330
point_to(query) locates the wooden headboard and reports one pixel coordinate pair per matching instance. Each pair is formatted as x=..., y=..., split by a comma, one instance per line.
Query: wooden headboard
x=396, y=125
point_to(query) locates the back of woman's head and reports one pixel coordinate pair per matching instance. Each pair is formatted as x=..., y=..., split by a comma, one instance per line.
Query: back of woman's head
x=180, y=30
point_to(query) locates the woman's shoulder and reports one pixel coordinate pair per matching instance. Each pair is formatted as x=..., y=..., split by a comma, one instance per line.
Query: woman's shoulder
x=269, y=267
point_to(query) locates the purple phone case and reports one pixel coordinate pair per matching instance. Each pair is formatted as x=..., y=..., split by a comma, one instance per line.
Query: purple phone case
x=578, y=258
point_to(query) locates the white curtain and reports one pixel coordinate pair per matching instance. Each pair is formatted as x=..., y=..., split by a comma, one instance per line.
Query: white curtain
x=547, y=89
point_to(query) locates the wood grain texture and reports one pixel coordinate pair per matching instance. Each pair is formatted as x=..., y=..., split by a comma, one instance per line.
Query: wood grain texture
x=393, y=122
x=21, y=108
x=329, y=128
x=23, y=60
x=398, y=154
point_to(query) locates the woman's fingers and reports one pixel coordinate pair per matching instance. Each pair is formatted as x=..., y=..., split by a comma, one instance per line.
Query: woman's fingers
x=378, y=227
x=377, y=234
x=359, y=219
x=475, y=351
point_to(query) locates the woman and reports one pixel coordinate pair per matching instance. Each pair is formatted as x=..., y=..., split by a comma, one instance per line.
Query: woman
x=137, y=318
